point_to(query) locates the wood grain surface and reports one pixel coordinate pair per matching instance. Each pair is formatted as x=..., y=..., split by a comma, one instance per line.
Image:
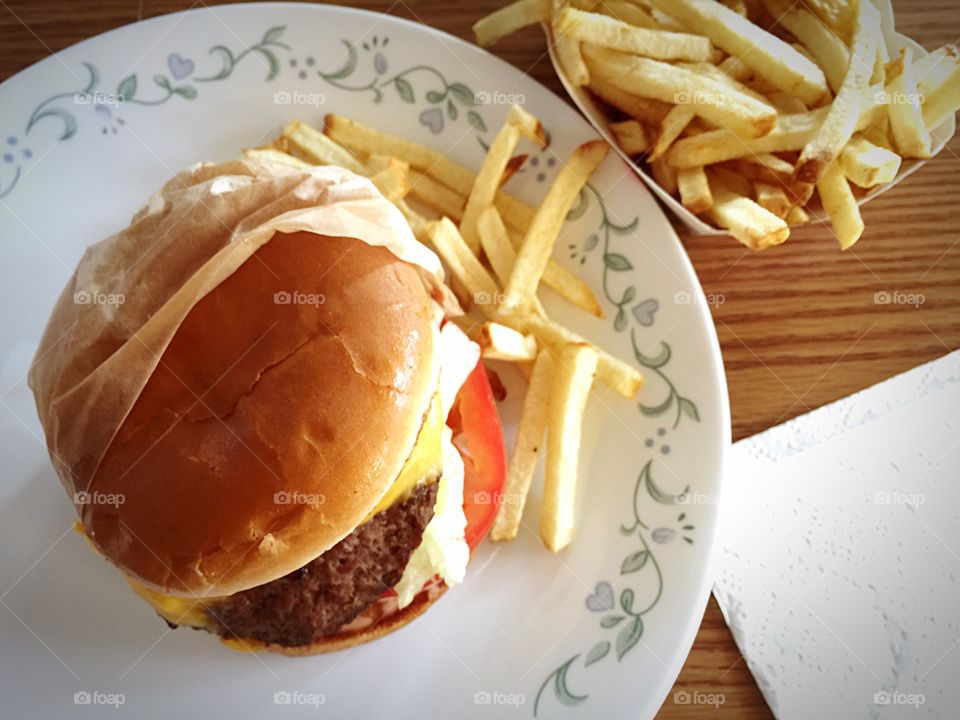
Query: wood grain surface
x=799, y=325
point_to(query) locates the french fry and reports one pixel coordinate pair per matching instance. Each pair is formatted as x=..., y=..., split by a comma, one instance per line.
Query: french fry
x=879, y=132
x=715, y=73
x=773, y=198
x=651, y=112
x=721, y=177
x=715, y=102
x=631, y=136
x=773, y=163
x=275, y=156
x=827, y=48
x=837, y=14
x=665, y=174
x=841, y=121
x=786, y=104
x=567, y=49
x=735, y=68
x=610, y=33
x=516, y=213
x=694, y=190
x=435, y=195
x=464, y=265
x=894, y=68
x=392, y=185
x=867, y=165
x=315, y=147
x=749, y=223
x=738, y=6
x=768, y=56
x=560, y=280
x=676, y=121
x=612, y=372
x=528, y=124
x=538, y=242
x=279, y=143
x=507, y=20
x=943, y=100
x=874, y=109
x=797, y=216
x=765, y=167
x=880, y=63
x=840, y=204
x=803, y=51
x=566, y=284
x=513, y=167
x=526, y=450
x=390, y=175
x=791, y=132
x=906, y=116
x=368, y=140
x=575, y=369
x=377, y=163
x=622, y=10
x=495, y=241
x=499, y=342
x=933, y=69
x=364, y=139
x=938, y=82
x=488, y=179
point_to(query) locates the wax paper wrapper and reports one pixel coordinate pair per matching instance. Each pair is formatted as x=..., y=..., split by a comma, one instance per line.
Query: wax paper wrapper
x=131, y=291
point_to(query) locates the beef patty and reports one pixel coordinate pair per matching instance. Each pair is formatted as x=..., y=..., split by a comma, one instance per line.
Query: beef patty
x=329, y=592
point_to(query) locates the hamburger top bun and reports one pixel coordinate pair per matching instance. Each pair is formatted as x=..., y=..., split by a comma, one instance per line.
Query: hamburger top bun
x=283, y=409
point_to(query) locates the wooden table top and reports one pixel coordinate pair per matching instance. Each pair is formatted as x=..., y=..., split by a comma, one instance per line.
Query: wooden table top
x=798, y=324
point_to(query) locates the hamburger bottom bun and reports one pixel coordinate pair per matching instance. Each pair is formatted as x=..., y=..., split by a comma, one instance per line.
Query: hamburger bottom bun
x=345, y=640
x=280, y=413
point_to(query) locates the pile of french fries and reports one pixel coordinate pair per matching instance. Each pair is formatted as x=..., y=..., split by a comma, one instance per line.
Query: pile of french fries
x=751, y=111
x=497, y=249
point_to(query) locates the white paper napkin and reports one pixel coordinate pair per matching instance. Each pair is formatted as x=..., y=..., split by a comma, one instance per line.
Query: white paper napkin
x=839, y=567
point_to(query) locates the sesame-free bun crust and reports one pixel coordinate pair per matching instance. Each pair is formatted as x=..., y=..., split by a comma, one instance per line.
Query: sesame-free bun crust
x=269, y=429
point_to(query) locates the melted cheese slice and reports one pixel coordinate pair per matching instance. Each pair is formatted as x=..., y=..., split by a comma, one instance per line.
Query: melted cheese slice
x=425, y=461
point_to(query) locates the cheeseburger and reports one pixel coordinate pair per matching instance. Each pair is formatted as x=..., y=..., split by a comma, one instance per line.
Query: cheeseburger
x=277, y=436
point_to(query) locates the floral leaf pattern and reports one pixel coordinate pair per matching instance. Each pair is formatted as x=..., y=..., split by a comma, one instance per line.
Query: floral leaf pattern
x=404, y=90
x=105, y=106
x=449, y=99
x=558, y=680
x=629, y=636
x=634, y=561
x=597, y=652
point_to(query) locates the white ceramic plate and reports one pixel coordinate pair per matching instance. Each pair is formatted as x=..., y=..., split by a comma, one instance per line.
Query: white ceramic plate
x=600, y=629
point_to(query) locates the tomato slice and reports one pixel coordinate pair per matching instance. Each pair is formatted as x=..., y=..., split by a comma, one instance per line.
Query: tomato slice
x=479, y=437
